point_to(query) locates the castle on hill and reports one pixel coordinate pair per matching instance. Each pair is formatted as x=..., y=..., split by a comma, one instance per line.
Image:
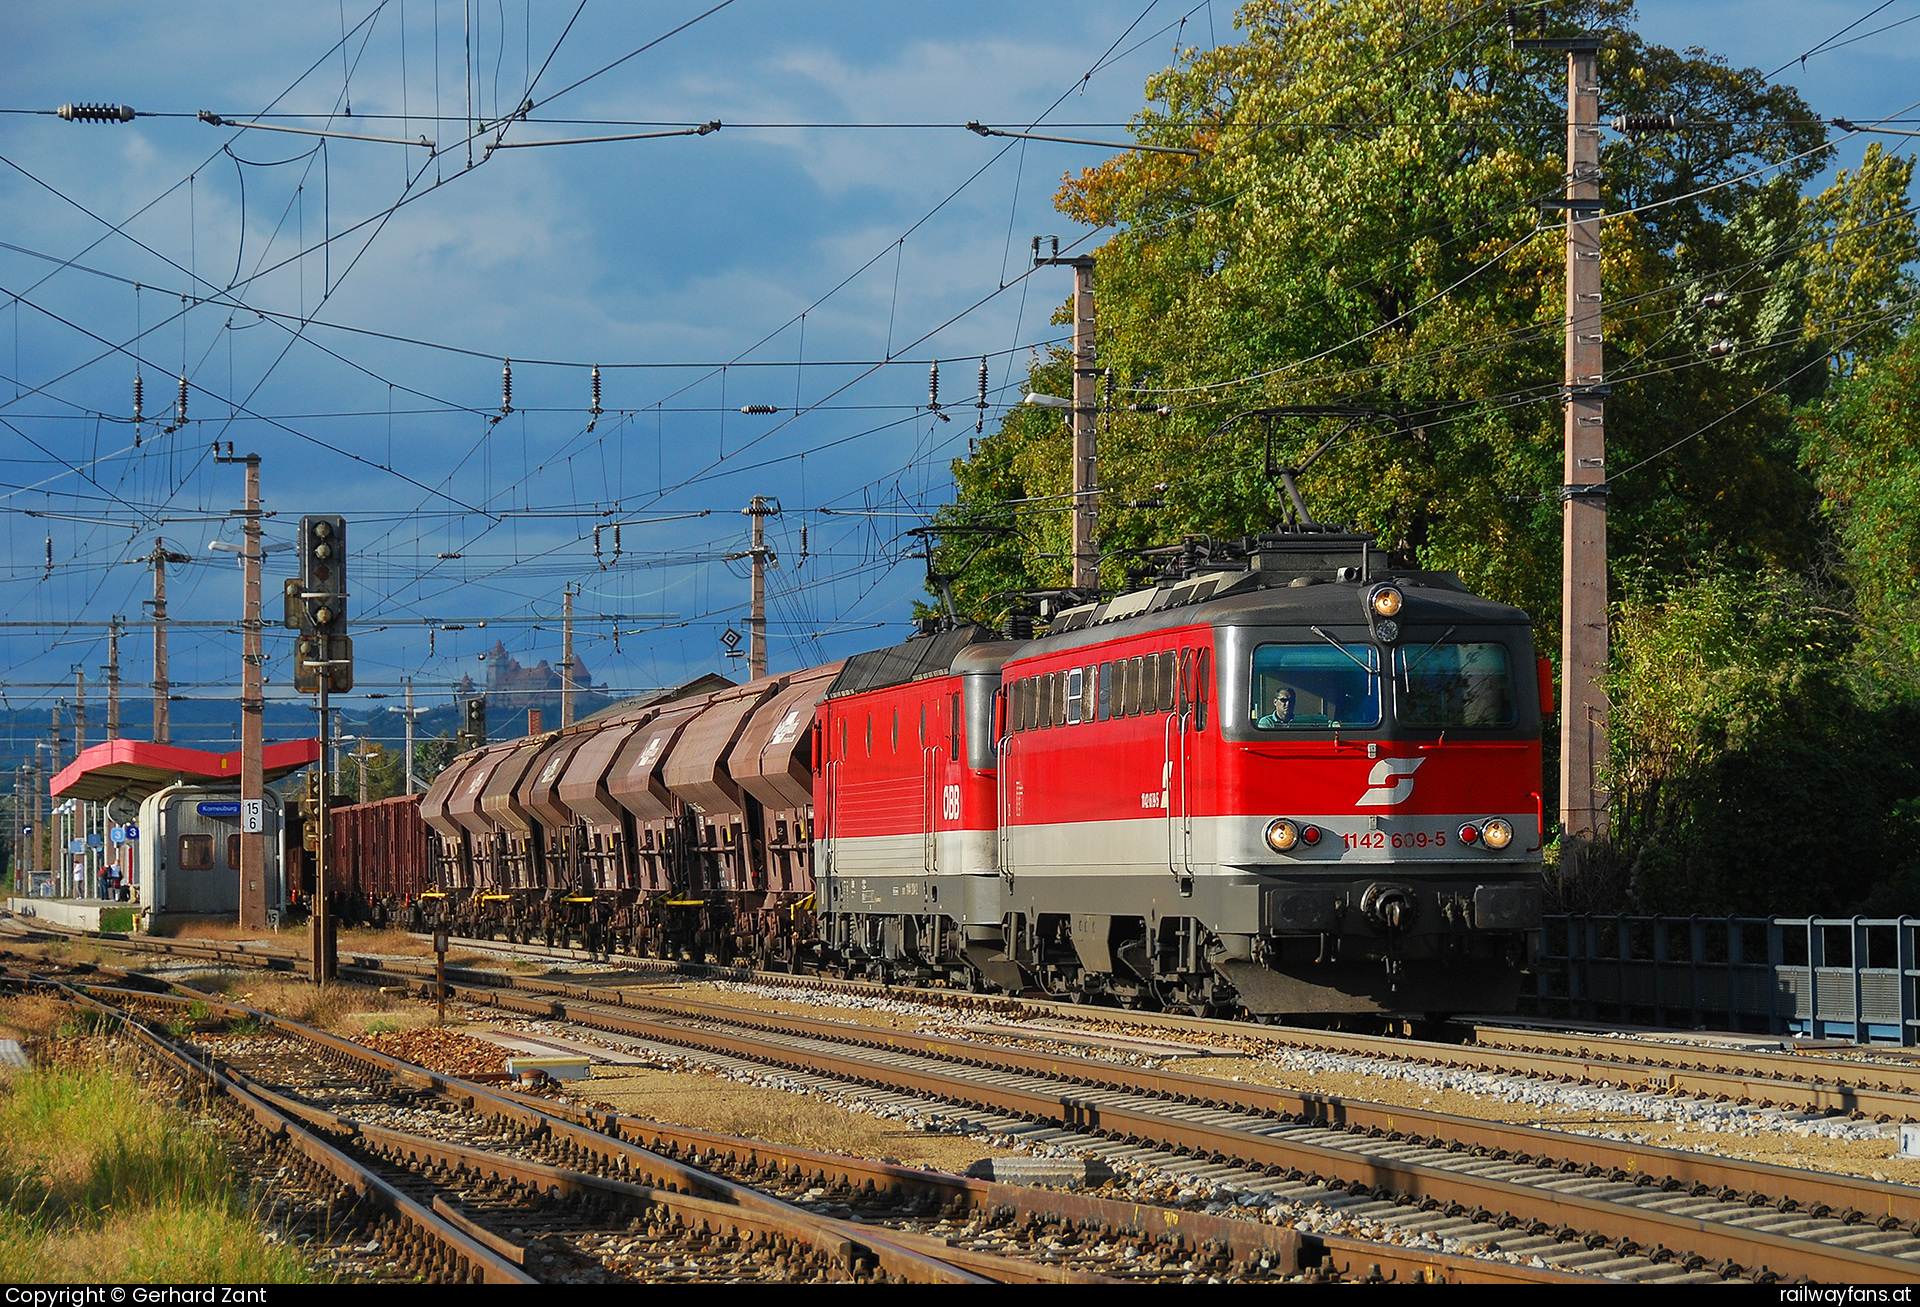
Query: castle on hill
x=513, y=689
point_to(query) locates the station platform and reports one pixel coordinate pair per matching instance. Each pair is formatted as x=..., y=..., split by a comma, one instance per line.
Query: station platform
x=82, y=914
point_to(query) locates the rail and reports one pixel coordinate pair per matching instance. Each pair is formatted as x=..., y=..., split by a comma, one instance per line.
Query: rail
x=1852, y=978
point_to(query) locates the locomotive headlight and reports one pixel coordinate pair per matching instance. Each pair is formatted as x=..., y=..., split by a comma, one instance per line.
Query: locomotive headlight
x=1387, y=629
x=1282, y=835
x=1386, y=601
x=1497, y=834
x=1469, y=834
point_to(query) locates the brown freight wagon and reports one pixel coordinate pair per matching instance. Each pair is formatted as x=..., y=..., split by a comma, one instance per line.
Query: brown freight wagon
x=380, y=860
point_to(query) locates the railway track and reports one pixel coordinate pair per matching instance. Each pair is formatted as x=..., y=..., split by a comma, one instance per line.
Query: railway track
x=1880, y=1088
x=456, y=1212
x=1629, y=1210
x=318, y=1191
x=1653, y=1214
x=491, y=1165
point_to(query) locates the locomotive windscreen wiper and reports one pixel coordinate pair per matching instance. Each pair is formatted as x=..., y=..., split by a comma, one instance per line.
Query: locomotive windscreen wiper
x=1370, y=671
x=1407, y=671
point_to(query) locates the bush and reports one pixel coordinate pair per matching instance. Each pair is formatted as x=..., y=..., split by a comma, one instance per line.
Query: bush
x=1757, y=768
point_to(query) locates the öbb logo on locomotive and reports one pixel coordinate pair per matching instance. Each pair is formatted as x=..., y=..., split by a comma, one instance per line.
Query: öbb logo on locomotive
x=1392, y=782
x=1153, y=802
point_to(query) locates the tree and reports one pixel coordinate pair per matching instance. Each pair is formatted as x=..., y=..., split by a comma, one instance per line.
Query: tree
x=1738, y=718
x=1864, y=449
x=1364, y=227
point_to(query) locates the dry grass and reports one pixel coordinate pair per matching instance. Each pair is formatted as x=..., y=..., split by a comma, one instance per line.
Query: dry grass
x=802, y=1123
x=335, y=1008
x=29, y=1016
x=393, y=942
x=99, y=1182
x=353, y=939
x=224, y=929
x=386, y=1022
x=177, y=1246
x=707, y=1102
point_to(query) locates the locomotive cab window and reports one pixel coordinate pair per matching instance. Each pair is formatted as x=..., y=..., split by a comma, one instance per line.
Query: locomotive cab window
x=1315, y=687
x=1454, y=685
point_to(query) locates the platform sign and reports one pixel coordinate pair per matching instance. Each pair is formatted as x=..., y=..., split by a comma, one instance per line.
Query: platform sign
x=93, y=839
x=133, y=832
x=218, y=808
x=118, y=834
x=253, y=815
x=76, y=846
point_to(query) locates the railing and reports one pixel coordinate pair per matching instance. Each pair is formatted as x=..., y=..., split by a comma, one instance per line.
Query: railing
x=1842, y=978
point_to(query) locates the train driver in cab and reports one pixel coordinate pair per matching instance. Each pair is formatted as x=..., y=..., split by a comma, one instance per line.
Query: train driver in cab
x=1281, y=713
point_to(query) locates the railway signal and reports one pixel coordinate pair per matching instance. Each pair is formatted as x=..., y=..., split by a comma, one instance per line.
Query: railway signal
x=320, y=608
x=322, y=663
x=473, y=734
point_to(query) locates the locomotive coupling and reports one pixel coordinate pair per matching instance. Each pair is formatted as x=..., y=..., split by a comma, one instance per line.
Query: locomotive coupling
x=1391, y=907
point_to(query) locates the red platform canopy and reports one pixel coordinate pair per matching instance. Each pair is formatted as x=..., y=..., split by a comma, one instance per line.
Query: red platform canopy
x=133, y=769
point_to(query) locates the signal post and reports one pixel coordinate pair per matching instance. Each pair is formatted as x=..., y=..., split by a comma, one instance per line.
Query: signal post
x=316, y=605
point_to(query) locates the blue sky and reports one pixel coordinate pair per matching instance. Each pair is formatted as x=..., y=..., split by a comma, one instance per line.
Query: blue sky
x=752, y=247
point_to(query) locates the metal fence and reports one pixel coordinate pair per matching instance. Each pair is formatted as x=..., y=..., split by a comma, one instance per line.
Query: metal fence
x=1841, y=978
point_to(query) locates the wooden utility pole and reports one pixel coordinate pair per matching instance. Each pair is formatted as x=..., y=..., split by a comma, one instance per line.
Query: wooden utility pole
x=566, y=655
x=160, y=557
x=113, y=680
x=759, y=510
x=1583, y=622
x=254, y=890
x=1085, y=413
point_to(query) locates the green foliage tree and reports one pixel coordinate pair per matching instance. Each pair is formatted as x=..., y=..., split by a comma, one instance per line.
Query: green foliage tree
x=385, y=777
x=1743, y=719
x=1864, y=448
x=431, y=756
x=1364, y=227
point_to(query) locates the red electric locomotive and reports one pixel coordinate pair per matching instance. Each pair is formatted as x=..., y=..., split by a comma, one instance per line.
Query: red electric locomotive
x=1304, y=782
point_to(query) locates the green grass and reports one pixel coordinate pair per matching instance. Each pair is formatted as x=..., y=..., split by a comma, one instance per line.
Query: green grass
x=101, y=1183
x=117, y=921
